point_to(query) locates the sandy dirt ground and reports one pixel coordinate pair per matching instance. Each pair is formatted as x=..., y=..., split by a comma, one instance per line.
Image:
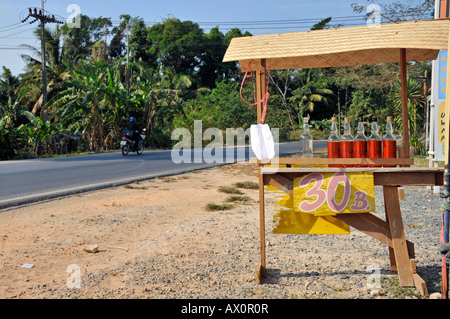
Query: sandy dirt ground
x=125, y=222
x=156, y=239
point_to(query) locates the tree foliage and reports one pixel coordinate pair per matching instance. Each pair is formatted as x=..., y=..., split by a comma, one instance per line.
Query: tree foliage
x=175, y=76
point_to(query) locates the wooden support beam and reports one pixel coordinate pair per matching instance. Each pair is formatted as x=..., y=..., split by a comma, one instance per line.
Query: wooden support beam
x=416, y=179
x=388, y=177
x=260, y=92
x=374, y=227
x=339, y=161
x=261, y=271
x=392, y=262
x=420, y=284
x=260, y=88
x=400, y=249
x=281, y=182
x=403, y=78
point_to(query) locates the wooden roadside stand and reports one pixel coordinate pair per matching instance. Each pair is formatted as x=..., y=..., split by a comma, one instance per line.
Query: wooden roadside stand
x=351, y=46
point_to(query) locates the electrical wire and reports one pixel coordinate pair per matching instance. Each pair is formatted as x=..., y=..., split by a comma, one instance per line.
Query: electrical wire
x=10, y=35
x=292, y=24
x=15, y=28
x=11, y=25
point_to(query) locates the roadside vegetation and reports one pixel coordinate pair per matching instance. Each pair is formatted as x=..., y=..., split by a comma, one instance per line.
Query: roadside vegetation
x=171, y=74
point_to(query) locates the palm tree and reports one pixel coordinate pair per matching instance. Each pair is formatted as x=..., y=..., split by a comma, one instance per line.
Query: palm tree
x=415, y=109
x=56, y=70
x=8, y=85
x=311, y=93
x=176, y=83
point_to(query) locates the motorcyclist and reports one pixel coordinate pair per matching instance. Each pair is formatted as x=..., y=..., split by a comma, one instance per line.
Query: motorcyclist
x=133, y=130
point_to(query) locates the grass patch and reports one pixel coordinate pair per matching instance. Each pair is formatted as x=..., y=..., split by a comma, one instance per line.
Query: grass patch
x=424, y=161
x=238, y=199
x=338, y=288
x=135, y=187
x=247, y=185
x=211, y=207
x=395, y=291
x=230, y=190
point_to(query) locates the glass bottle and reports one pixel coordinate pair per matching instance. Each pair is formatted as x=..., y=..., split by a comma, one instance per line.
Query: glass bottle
x=333, y=142
x=389, y=142
x=375, y=144
x=360, y=142
x=306, y=141
x=347, y=142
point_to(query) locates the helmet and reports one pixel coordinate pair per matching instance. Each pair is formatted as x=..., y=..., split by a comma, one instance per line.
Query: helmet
x=132, y=119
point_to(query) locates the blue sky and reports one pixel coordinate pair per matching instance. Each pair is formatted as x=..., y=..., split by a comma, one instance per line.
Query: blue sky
x=13, y=34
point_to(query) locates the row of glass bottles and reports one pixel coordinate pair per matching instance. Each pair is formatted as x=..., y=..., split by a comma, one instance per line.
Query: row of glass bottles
x=360, y=146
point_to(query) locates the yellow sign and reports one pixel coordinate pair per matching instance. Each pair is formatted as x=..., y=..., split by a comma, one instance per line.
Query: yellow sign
x=287, y=220
x=319, y=196
x=327, y=194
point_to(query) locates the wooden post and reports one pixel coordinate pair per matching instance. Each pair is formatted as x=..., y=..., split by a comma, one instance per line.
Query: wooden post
x=261, y=87
x=260, y=92
x=390, y=248
x=261, y=269
x=404, y=103
x=400, y=248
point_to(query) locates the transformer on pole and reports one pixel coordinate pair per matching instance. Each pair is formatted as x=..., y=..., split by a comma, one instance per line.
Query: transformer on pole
x=39, y=14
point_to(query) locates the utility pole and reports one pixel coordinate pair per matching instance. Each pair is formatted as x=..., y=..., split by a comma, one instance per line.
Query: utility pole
x=106, y=39
x=128, y=58
x=44, y=68
x=44, y=17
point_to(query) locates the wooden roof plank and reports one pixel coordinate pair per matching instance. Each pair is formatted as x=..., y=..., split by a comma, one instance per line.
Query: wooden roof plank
x=343, y=46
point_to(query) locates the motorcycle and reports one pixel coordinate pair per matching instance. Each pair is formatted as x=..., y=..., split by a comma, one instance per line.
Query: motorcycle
x=127, y=144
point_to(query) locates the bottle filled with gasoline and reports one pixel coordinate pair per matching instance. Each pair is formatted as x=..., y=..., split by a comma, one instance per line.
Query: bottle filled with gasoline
x=334, y=142
x=375, y=143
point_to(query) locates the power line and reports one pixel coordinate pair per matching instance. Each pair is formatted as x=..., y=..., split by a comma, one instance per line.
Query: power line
x=11, y=25
x=10, y=35
x=15, y=28
x=293, y=24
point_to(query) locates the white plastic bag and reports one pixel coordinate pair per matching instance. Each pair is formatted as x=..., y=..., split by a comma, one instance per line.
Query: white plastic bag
x=262, y=141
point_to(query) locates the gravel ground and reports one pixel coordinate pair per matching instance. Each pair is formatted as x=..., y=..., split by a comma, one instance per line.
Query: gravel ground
x=213, y=255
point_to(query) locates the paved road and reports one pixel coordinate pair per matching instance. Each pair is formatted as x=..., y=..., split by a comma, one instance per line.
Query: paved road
x=29, y=181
